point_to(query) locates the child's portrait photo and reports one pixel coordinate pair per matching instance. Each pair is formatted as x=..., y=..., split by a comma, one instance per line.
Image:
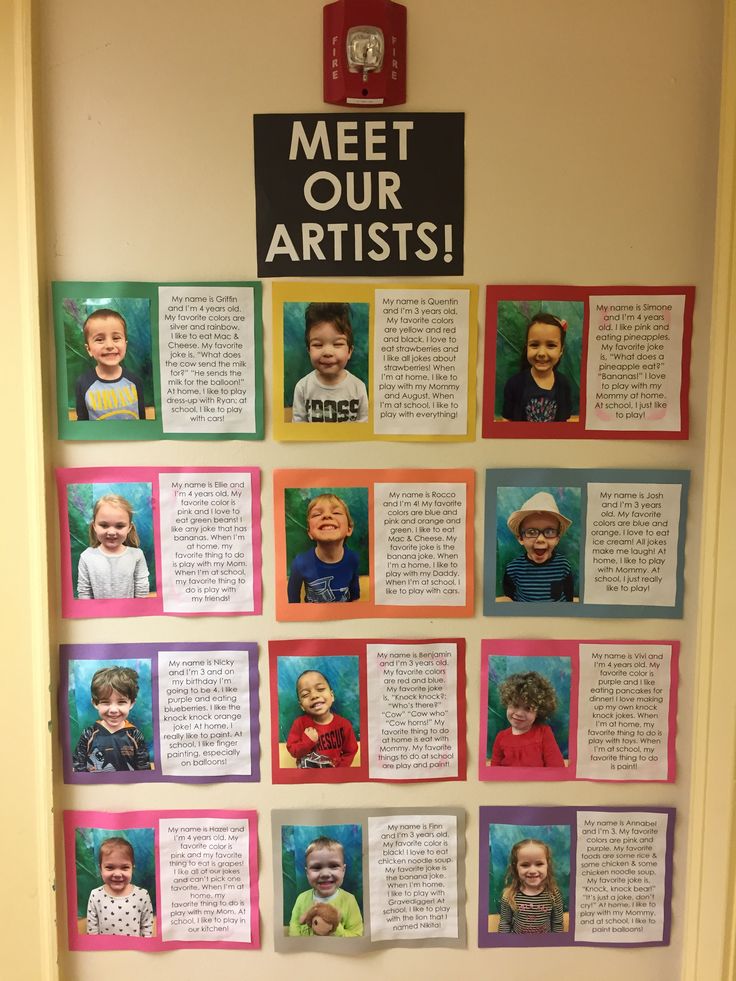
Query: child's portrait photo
x=116, y=882
x=326, y=362
x=327, y=550
x=322, y=879
x=318, y=713
x=110, y=716
x=538, y=355
x=538, y=544
x=111, y=540
x=528, y=712
x=529, y=879
x=108, y=362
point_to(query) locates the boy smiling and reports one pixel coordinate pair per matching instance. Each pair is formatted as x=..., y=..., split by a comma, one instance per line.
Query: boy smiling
x=541, y=575
x=324, y=866
x=329, y=571
x=112, y=743
x=320, y=737
x=108, y=391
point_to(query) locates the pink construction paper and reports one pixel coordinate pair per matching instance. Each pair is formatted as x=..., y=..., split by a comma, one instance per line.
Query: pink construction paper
x=119, y=820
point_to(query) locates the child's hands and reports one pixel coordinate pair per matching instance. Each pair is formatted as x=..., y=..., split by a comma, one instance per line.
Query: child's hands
x=312, y=733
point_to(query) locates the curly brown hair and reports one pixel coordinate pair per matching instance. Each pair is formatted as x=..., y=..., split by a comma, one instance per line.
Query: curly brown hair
x=531, y=690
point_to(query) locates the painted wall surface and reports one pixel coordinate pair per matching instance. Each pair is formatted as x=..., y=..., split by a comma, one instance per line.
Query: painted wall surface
x=591, y=143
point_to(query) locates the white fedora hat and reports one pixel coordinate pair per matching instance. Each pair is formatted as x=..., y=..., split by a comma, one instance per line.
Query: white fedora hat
x=540, y=503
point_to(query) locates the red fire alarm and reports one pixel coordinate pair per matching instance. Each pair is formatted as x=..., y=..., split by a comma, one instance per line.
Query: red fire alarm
x=365, y=53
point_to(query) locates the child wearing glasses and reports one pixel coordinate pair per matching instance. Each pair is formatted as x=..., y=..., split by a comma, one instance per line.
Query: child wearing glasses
x=540, y=575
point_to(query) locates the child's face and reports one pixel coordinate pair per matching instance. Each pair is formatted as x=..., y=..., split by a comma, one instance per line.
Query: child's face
x=116, y=870
x=521, y=717
x=315, y=695
x=106, y=341
x=539, y=548
x=111, y=527
x=327, y=522
x=113, y=710
x=329, y=351
x=543, y=347
x=531, y=868
x=325, y=870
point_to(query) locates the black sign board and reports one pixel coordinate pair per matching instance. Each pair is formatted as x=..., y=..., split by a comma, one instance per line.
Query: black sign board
x=360, y=195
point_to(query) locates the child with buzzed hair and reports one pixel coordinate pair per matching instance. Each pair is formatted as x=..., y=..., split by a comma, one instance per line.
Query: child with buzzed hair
x=324, y=866
x=112, y=743
x=108, y=391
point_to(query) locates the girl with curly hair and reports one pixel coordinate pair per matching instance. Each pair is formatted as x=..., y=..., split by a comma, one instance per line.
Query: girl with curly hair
x=529, y=700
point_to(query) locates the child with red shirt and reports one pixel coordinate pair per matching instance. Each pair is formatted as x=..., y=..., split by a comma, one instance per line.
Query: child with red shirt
x=320, y=738
x=529, y=700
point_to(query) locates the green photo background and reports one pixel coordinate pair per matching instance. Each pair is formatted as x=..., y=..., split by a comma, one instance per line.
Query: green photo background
x=295, y=838
x=512, y=322
x=82, y=712
x=341, y=672
x=80, y=502
x=296, y=359
x=557, y=670
x=501, y=839
x=509, y=499
x=87, y=848
x=296, y=500
x=137, y=314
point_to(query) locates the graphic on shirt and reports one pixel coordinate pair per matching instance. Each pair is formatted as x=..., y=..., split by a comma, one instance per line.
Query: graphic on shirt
x=177, y=361
x=359, y=362
x=135, y=713
x=356, y=710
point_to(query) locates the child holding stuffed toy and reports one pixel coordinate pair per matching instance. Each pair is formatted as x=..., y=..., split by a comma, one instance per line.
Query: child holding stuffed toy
x=324, y=866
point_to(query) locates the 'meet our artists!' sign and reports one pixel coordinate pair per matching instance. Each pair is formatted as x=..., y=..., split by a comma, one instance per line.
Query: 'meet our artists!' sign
x=360, y=195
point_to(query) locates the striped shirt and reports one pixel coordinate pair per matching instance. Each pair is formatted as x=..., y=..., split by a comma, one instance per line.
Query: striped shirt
x=533, y=914
x=550, y=582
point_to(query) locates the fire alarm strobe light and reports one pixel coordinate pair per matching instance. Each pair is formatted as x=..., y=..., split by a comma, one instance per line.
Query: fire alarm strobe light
x=365, y=53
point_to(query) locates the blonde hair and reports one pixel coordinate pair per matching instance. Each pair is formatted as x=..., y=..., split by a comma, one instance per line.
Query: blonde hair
x=512, y=882
x=117, y=502
x=331, y=499
x=324, y=842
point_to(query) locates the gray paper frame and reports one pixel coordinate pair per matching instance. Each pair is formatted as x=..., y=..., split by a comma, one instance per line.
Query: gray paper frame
x=354, y=945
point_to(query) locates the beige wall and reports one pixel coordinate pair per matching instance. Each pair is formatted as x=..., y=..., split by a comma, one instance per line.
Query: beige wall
x=591, y=158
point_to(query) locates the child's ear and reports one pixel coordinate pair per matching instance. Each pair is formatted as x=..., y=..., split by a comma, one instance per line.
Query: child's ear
x=350, y=531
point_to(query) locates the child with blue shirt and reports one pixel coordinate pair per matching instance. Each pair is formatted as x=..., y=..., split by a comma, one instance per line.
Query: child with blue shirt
x=328, y=573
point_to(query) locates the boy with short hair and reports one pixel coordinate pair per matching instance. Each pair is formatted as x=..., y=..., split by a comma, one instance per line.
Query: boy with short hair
x=324, y=865
x=541, y=574
x=330, y=393
x=112, y=743
x=108, y=391
x=329, y=571
x=320, y=737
